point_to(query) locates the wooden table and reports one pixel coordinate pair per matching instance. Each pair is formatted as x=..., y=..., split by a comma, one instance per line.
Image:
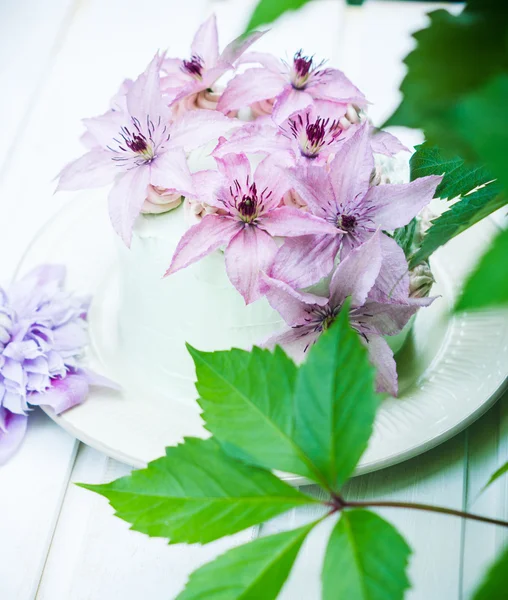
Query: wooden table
x=61, y=60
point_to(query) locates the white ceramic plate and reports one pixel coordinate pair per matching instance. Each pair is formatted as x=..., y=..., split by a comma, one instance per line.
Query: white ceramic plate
x=451, y=371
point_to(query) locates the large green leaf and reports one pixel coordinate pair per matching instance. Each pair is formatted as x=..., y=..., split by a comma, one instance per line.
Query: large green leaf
x=267, y=11
x=366, y=559
x=454, y=56
x=247, y=402
x=459, y=178
x=482, y=118
x=335, y=402
x=495, y=584
x=250, y=572
x=459, y=217
x=197, y=493
x=488, y=284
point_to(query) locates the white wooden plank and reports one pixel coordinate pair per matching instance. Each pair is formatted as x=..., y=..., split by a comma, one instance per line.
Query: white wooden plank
x=29, y=38
x=487, y=450
x=32, y=485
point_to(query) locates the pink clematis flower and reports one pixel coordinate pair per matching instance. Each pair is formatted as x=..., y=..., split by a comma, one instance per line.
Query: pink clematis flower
x=294, y=86
x=342, y=195
x=308, y=315
x=205, y=66
x=139, y=147
x=248, y=217
x=304, y=137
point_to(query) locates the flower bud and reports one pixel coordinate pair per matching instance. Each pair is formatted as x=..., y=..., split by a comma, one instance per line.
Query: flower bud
x=420, y=281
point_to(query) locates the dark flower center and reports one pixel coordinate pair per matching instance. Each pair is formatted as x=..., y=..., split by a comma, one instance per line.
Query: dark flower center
x=303, y=68
x=247, y=207
x=134, y=140
x=137, y=143
x=194, y=66
x=346, y=222
x=312, y=136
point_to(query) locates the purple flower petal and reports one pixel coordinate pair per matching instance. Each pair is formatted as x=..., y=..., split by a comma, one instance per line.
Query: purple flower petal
x=303, y=261
x=93, y=169
x=12, y=432
x=357, y=273
x=206, y=42
x=197, y=127
x=395, y=205
x=381, y=357
x=291, y=222
x=63, y=393
x=212, y=232
x=126, y=199
x=293, y=306
x=171, y=171
x=351, y=168
x=248, y=254
x=249, y=87
x=289, y=102
x=238, y=46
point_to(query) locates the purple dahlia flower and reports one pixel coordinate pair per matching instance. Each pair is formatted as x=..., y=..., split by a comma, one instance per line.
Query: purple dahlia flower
x=42, y=335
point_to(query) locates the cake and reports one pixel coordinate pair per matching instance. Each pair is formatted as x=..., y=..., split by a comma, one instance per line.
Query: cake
x=247, y=214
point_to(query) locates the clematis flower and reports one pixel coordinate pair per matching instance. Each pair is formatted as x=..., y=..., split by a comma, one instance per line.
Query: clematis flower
x=42, y=335
x=304, y=137
x=293, y=86
x=198, y=74
x=308, y=315
x=342, y=195
x=141, y=147
x=248, y=217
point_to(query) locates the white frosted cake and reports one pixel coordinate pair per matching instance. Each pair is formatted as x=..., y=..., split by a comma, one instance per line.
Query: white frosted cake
x=197, y=305
x=289, y=209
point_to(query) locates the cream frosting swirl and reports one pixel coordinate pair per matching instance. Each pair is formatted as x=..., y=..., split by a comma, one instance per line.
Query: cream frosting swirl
x=160, y=200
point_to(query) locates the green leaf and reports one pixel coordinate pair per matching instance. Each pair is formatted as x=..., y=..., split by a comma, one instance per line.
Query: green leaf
x=501, y=471
x=253, y=571
x=462, y=215
x=405, y=236
x=459, y=179
x=366, y=559
x=482, y=118
x=267, y=11
x=495, y=584
x=487, y=286
x=454, y=56
x=247, y=402
x=335, y=401
x=197, y=493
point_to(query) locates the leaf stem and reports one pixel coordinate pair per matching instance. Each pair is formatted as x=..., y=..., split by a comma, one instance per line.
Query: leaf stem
x=425, y=507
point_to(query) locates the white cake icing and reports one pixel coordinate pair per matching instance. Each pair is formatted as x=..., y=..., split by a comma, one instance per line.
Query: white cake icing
x=197, y=305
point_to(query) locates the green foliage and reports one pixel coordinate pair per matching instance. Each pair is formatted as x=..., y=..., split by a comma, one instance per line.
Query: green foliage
x=250, y=572
x=246, y=396
x=335, y=402
x=482, y=119
x=454, y=57
x=314, y=421
x=197, y=493
x=501, y=471
x=268, y=11
x=462, y=215
x=487, y=286
x=405, y=236
x=366, y=559
x=494, y=585
x=458, y=178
